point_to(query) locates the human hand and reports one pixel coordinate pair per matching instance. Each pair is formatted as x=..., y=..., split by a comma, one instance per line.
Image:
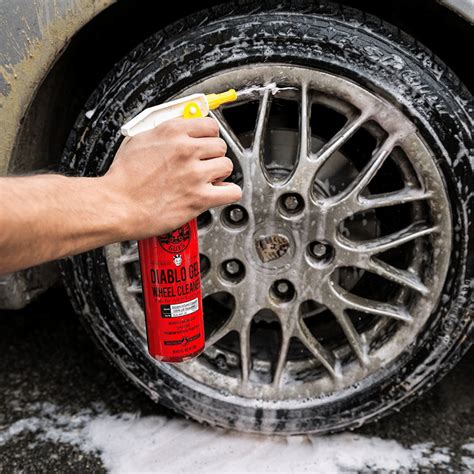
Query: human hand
x=169, y=175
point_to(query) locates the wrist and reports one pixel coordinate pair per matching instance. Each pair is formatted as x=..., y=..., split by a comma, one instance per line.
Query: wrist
x=120, y=208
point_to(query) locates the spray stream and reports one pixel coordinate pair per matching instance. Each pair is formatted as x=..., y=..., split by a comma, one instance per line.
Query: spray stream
x=251, y=91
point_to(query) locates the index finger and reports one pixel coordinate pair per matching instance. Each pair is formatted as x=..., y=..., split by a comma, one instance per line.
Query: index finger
x=202, y=127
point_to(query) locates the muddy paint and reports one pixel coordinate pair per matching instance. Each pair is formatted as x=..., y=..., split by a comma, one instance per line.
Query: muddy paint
x=32, y=34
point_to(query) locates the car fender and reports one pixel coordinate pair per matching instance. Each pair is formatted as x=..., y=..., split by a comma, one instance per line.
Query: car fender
x=32, y=35
x=464, y=8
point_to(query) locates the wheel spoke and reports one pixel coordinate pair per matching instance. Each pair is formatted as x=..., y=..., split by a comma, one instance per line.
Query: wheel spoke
x=211, y=283
x=238, y=320
x=258, y=177
x=245, y=308
x=341, y=137
x=402, y=277
x=392, y=199
x=304, y=169
x=261, y=125
x=241, y=155
x=370, y=170
x=130, y=256
x=259, y=191
x=304, y=125
x=324, y=356
x=364, y=305
x=308, y=164
x=382, y=244
x=135, y=288
x=219, y=333
x=245, y=356
x=285, y=343
x=288, y=321
x=229, y=136
x=356, y=341
x=211, y=239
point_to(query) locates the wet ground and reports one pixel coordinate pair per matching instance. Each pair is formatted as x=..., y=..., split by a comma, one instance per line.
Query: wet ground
x=48, y=363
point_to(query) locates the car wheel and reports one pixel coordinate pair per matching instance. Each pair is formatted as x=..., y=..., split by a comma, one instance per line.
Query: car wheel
x=339, y=287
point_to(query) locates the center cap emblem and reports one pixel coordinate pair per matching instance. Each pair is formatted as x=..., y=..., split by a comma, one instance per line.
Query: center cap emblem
x=272, y=247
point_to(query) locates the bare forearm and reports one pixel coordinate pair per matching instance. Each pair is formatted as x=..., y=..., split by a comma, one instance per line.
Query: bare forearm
x=47, y=217
x=158, y=180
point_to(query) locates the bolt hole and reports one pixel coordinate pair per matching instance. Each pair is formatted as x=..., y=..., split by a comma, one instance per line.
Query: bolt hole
x=291, y=203
x=204, y=220
x=235, y=216
x=320, y=252
x=233, y=270
x=221, y=362
x=282, y=290
x=204, y=264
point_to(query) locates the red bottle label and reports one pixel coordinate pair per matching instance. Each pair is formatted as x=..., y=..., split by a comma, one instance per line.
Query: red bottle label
x=172, y=294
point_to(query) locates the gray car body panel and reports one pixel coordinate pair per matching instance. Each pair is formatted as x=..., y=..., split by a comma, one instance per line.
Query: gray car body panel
x=19, y=288
x=464, y=8
x=33, y=34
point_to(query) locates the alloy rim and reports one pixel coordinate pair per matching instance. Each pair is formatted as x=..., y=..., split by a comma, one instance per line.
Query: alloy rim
x=332, y=262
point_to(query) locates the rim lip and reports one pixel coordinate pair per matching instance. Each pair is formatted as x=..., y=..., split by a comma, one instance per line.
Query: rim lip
x=319, y=397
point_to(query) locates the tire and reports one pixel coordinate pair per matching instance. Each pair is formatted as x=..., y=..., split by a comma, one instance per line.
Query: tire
x=321, y=37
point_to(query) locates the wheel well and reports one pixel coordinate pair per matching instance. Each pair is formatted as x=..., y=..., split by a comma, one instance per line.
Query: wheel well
x=110, y=35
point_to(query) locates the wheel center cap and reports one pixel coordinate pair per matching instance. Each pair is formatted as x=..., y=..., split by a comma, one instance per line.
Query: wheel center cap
x=272, y=247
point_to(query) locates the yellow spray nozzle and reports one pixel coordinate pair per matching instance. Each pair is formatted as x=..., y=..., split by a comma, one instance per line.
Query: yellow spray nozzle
x=216, y=100
x=195, y=105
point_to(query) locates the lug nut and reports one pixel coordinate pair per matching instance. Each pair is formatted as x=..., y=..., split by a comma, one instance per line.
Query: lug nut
x=282, y=287
x=318, y=249
x=236, y=214
x=221, y=362
x=232, y=267
x=232, y=270
x=282, y=290
x=291, y=203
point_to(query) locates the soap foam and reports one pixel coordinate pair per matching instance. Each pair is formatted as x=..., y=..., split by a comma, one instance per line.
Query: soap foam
x=272, y=87
x=129, y=442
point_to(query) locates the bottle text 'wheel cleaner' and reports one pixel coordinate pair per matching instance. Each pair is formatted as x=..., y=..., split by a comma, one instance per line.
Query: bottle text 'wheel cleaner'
x=169, y=263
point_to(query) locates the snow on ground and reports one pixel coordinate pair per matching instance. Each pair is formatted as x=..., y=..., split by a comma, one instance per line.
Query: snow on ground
x=129, y=442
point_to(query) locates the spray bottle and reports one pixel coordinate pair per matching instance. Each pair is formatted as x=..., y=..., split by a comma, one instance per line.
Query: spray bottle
x=169, y=263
